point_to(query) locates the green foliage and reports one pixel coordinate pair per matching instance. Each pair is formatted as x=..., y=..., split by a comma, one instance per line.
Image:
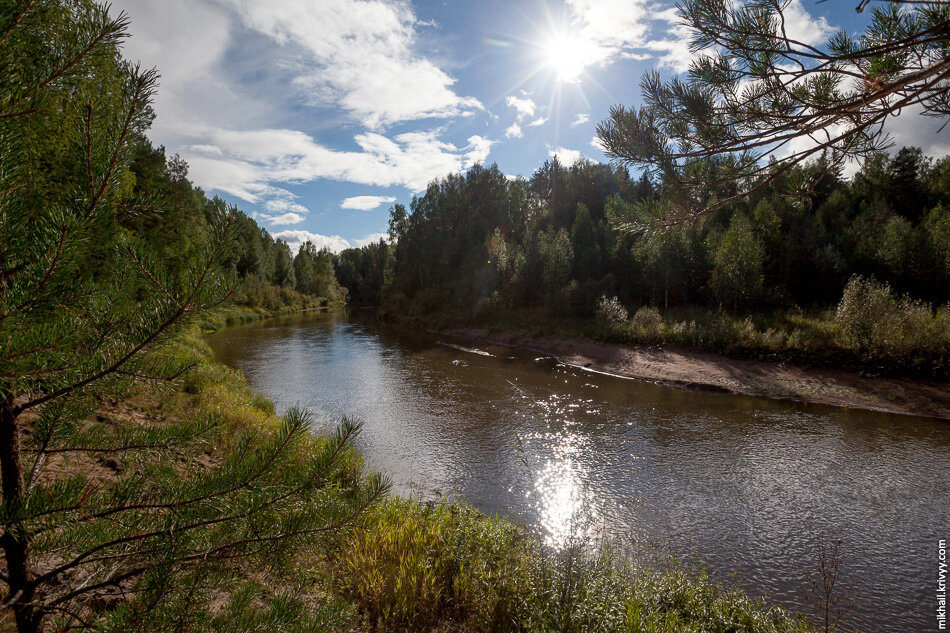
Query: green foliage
x=422, y=566
x=107, y=254
x=557, y=243
x=648, y=324
x=611, y=313
x=876, y=322
x=736, y=122
x=737, y=259
x=365, y=272
x=314, y=274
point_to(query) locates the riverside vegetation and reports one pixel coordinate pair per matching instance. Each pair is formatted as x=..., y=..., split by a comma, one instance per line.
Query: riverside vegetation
x=146, y=487
x=843, y=274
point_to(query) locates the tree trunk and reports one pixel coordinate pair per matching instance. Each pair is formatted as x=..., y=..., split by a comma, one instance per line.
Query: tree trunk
x=16, y=548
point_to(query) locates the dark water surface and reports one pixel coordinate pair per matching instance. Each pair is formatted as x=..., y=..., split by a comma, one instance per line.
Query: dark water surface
x=745, y=486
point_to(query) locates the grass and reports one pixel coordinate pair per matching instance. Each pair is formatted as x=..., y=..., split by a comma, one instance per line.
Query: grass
x=420, y=566
x=411, y=566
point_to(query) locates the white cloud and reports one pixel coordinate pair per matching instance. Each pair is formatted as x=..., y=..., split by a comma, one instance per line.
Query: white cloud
x=247, y=163
x=226, y=67
x=913, y=129
x=524, y=107
x=277, y=205
x=186, y=41
x=801, y=26
x=366, y=203
x=478, y=149
x=910, y=129
x=615, y=24
x=565, y=156
x=286, y=218
x=360, y=55
x=677, y=54
x=296, y=237
x=372, y=238
x=335, y=243
x=580, y=119
x=597, y=144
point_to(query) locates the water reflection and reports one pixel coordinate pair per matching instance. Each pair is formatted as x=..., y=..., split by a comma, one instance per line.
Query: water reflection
x=743, y=485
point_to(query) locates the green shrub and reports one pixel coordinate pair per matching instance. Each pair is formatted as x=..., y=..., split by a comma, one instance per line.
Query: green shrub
x=611, y=313
x=875, y=321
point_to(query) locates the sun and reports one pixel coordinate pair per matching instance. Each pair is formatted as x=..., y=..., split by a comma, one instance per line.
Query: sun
x=568, y=55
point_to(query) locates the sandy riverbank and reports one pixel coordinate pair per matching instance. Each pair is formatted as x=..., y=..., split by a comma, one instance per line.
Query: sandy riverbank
x=697, y=370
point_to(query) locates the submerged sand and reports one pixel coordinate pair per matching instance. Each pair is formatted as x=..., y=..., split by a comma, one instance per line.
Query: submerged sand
x=712, y=372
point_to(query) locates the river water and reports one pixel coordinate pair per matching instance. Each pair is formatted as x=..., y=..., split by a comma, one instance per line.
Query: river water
x=747, y=487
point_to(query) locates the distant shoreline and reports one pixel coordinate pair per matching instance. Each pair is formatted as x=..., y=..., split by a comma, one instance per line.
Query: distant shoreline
x=713, y=372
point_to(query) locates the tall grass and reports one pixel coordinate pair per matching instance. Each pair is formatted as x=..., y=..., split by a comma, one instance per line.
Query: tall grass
x=423, y=566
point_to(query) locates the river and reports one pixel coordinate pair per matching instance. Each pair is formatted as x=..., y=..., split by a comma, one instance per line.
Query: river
x=747, y=487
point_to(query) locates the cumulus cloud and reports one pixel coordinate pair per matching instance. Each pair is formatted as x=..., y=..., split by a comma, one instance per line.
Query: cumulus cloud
x=372, y=238
x=525, y=110
x=283, y=204
x=360, y=55
x=597, y=144
x=565, y=156
x=187, y=41
x=514, y=131
x=913, y=129
x=801, y=26
x=478, y=150
x=525, y=107
x=674, y=50
x=366, y=203
x=248, y=163
x=580, y=119
x=335, y=243
x=296, y=237
x=283, y=219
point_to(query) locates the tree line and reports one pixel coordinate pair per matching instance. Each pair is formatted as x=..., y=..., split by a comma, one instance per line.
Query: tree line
x=562, y=239
x=270, y=275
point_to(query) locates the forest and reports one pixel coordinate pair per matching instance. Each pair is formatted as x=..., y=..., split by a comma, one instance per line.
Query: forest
x=478, y=246
x=268, y=274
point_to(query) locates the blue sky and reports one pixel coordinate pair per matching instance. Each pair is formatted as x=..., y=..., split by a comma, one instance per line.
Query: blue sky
x=315, y=116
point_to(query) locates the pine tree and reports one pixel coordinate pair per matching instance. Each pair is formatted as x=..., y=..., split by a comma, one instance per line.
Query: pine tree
x=86, y=311
x=754, y=92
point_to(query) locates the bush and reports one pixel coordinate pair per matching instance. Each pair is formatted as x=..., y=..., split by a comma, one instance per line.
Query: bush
x=611, y=313
x=876, y=322
x=648, y=324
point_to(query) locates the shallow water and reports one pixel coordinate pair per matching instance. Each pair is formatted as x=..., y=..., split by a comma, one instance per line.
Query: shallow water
x=745, y=486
